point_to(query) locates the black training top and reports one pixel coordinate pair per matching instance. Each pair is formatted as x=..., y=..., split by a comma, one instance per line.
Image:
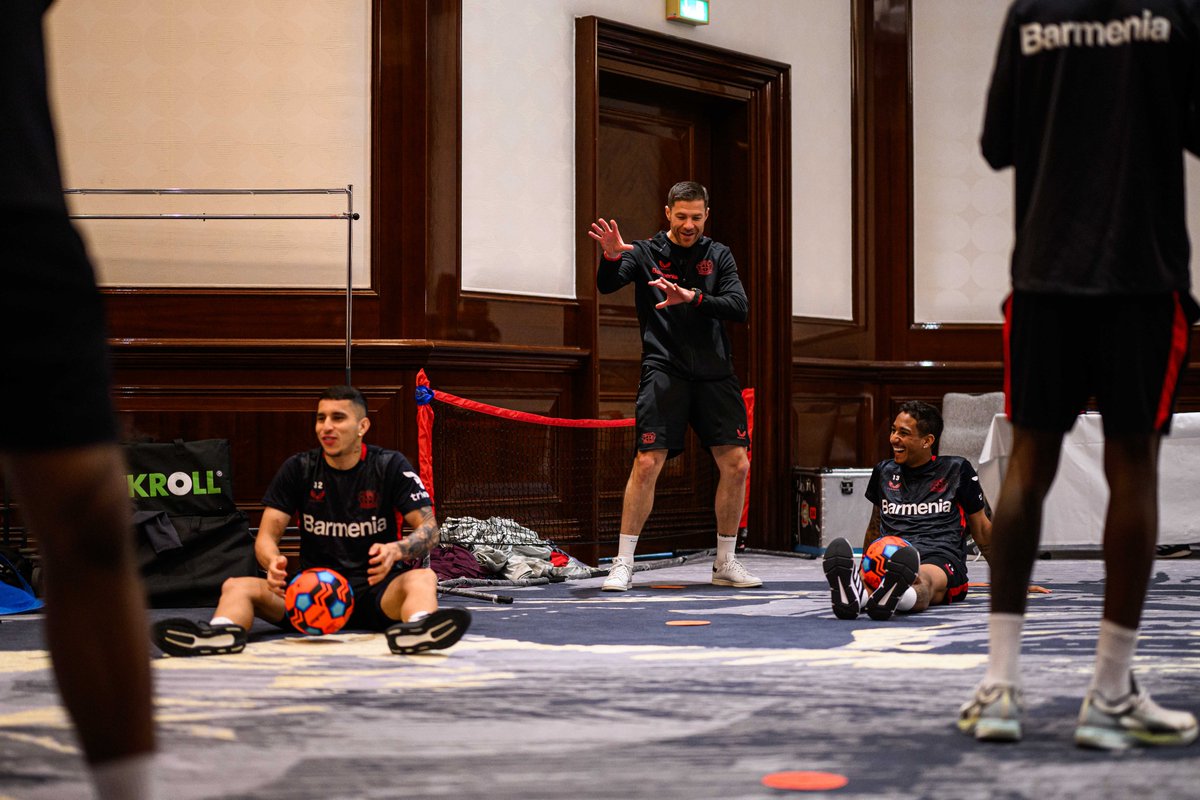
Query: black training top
x=1093, y=102
x=688, y=340
x=29, y=173
x=927, y=505
x=341, y=513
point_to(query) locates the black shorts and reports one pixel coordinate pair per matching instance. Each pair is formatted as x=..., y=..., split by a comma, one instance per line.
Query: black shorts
x=667, y=404
x=955, y=569
x=53, y=342
x=1126, y=351
x=368, y=604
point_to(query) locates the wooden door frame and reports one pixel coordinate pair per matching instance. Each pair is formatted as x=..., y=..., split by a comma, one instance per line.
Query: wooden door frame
x=763, y=86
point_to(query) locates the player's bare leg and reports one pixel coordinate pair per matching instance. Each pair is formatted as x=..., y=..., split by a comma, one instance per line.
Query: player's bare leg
x=930, y=586
x=1130, y=525
x=1017, y=522
x=243, y=599
x=413, y=592
x=75, y=502
x=412, y=597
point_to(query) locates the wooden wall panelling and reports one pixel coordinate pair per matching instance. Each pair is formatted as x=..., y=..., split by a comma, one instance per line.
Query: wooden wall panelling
x=264, y=424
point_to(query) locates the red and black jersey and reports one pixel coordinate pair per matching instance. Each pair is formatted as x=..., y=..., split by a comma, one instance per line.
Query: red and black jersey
x=1093, y=102
x=686, y=340
x=341, y=513
x=927, y=505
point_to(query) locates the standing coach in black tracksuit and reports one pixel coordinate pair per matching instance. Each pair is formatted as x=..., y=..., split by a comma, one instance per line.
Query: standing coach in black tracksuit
x=685, y=287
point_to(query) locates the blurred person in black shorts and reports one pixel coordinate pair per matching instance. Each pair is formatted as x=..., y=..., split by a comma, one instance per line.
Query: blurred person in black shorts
x=1093, y=103
x=349, y=500
x=60, y=454
x=686, y=287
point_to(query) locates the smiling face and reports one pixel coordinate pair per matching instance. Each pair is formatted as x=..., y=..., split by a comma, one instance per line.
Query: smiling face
x=910, y=448
x=685, y=221
x=340, y=429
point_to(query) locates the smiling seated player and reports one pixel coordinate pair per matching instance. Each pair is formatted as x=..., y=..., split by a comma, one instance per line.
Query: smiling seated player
x=349, y=498
x=933, y=502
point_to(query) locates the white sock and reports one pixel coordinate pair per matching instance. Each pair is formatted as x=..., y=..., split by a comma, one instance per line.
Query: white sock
x=1004, y=648
x=221, y=621
x=907, y=600
x=130, y=778
x=725, y=547
x=417, y=616
x=626, y=546
x=1114, y=659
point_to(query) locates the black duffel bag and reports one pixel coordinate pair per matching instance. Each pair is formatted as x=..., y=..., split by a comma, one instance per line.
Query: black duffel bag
x=190, y=534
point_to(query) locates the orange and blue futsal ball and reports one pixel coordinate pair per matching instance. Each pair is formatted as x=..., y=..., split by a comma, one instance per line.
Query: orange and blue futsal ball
x=319, y=601
x=875, y=558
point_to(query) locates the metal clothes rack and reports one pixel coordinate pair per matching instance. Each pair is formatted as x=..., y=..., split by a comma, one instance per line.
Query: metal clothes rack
x=349, y=215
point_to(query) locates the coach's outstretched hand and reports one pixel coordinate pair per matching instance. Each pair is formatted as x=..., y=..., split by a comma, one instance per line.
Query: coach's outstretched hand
x=608, y=235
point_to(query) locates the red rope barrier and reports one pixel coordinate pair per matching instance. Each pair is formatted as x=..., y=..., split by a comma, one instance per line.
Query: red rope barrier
x=524, y=416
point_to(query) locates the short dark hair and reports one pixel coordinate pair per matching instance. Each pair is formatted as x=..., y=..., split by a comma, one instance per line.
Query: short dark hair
x=929, y=420
x=346, y=393
x=687, y=190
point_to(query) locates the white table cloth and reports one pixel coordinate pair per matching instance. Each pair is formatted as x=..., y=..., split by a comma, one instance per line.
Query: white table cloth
x=1075, y=507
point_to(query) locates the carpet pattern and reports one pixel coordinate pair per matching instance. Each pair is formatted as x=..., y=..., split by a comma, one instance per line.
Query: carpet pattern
x=574, y=693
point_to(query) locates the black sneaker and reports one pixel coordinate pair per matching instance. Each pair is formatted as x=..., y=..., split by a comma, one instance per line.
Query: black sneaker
x=901, y=571
x=437, y=631
x=182, y=637
x=1173, y=551
x=844, y=582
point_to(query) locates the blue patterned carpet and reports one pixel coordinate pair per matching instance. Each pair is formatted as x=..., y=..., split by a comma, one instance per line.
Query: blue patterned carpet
x=570, y=693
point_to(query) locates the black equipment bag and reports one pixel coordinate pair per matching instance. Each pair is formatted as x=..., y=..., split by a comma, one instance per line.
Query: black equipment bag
x=190, y=534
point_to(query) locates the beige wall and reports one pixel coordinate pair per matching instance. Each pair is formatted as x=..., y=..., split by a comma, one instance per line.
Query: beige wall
x=963, y=225
x=518, y=135
x=215, y=94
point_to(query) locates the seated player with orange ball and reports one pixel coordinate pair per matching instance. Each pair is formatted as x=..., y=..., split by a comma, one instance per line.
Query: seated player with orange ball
x=914, y=554
x=348, y=499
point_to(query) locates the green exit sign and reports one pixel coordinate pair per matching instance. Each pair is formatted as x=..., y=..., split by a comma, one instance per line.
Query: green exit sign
x=693, y=12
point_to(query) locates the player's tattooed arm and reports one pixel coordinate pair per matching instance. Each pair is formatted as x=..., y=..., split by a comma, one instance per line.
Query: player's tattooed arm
x=872, y=528
x=423, y=537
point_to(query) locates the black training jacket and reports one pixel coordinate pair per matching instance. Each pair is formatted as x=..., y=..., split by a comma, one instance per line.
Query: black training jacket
x=688, y=340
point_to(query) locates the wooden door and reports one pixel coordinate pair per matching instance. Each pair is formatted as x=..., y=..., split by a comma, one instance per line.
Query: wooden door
x=650, y=110
x=651, y=137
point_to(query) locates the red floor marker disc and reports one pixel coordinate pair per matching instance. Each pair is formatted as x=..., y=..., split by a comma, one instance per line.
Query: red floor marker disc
x=805, y=781
x=687, y=623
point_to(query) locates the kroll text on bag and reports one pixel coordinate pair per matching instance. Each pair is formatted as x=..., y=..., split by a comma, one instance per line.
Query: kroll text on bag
x=190, y=534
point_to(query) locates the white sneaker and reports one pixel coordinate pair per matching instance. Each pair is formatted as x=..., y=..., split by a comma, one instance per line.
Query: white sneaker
x=732, y=573
x=1132, y=720
x=620, y=576
x=993, y=714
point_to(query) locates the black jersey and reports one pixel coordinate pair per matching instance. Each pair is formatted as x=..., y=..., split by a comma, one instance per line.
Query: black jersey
x=341, y=513
x=1093, y=102
x=29, y=173
x=688, y=340
x=927, y=505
